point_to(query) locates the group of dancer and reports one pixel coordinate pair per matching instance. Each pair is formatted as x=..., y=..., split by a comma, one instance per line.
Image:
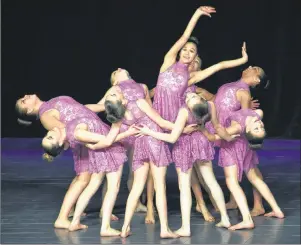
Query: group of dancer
x=182, y=125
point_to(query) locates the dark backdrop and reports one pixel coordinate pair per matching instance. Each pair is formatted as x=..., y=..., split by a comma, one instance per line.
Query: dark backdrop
x=54, y=48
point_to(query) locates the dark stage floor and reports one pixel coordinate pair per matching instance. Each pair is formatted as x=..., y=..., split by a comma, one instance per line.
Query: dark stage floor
x=32, y=192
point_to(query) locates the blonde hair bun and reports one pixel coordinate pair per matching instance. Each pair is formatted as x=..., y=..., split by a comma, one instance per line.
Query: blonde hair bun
x=47, y=157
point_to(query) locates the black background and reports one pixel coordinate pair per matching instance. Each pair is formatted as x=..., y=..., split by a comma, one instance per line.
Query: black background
x=54, y=48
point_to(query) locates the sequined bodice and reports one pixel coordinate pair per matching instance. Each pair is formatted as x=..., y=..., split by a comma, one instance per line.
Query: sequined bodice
x=226, y=101
x=131, y=90
x=174, y=79
x=241, y=116
x=68, y=108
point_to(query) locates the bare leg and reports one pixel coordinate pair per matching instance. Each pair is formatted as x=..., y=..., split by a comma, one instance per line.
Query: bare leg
x=264, y=190
x=140, y=176
x=109, y=202
x=258, y=208
x=159, y=175
x=206, y=188
x=240, y=198
x=73, y=208
x=103, y=193
x=70, y=198
x=201, y=205
x=140, y=207
x=207, y=172
x=83, y=200
x=150, y=215
x=184, y=180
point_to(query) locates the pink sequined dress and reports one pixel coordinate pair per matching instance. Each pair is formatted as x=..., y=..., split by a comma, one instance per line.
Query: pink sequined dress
x=132, y=92
x=103, y=160
x=169, y=93
x=236, y=152
x=146, y=148
x=69, y=110
x=239, y=151
x=190, y=148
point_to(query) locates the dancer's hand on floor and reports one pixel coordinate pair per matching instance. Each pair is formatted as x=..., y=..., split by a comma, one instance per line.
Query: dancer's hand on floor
x=207, y=10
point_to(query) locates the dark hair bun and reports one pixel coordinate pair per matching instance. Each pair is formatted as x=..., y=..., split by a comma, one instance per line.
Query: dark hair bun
x=115, y=111
x=194, y=40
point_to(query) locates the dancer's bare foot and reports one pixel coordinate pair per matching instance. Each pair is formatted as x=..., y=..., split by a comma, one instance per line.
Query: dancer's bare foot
x=225, y=223
x=62, y=224
x=110, y=232
x=72, y=213
x=125, y=233
x=242, y=225
x=141, y=208
x=168, y=234
x=113, y=217
x=231, y=205
x=257, y=211
x=150, y=217
x=77, y=226
x=183, y=232
x=279, y=215
x=206, y=214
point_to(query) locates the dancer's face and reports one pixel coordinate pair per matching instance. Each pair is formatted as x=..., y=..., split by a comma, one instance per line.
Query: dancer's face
x=195, y=65
x=253, y=74
x=188, y=53
x=27, y=103
x=256, y=127
x=119, y=75
x=53, y=137
x=192, y=99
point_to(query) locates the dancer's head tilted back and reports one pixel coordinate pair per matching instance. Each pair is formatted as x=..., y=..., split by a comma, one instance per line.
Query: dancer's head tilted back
x=195, y=65
x=119, y=75
x=198, y=106
x=189, y=51
x=27, y=108
x=115, y=106
x=53, y=144
x=255, y=131
x=255, y=77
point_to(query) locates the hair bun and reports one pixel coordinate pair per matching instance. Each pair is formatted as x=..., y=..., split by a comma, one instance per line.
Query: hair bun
x=47, y=157
x=255, y=146
x=24, y=122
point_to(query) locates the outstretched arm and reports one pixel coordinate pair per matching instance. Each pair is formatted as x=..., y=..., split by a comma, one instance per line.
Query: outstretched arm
x=175, y=133
x=105, y=141
x=203, y=74
x=100, y=106
x=233, y=131
x=205, y=94
x=171, y=55
x=219, y=129
x=154, y=115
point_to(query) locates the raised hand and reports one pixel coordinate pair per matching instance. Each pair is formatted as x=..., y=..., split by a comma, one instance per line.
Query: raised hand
x=207, y=10
x=254, y=104
x=244, y=52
